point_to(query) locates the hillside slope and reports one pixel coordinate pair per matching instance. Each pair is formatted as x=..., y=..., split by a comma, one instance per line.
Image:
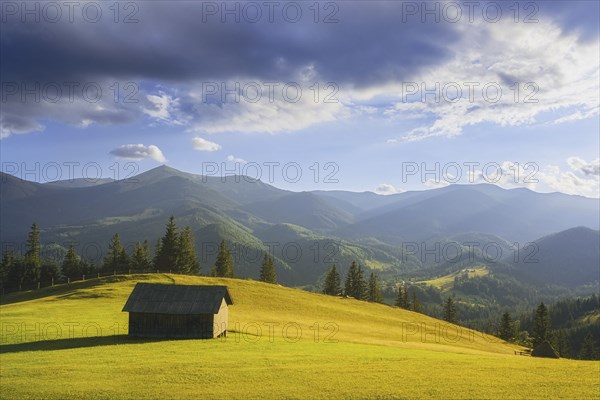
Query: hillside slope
x=282, y=343
x=100, y=302
x=568, y=258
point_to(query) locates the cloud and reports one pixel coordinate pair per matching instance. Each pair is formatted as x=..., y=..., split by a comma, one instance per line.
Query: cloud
x=96, y=106
x=162, y=107
x=434, y=183
x=185, y=50
x=169, y=67
x=237, y=160
x=184, y=54
x=513, y=82
x=580, y=165
x=582, y=177
x=386, y=188
x=139, y=152
x=204, y=145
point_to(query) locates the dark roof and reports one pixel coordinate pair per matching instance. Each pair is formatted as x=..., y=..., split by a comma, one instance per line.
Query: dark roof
x=176, y=299
x=544, y=349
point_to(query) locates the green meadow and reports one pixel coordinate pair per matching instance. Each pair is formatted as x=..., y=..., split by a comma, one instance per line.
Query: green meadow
x=70, y=341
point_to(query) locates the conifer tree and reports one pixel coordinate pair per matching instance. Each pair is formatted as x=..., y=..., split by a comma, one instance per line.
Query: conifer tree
x=349, y=283
x=402, y=299
x=33, y=260
x=541, y=325
x=156, y=254
x=588, y=350
x=187, y=262
x=374, y=289
x=399, y=299
x=224, y=264
x=362, y=289
x=50, y=271
x=116, y=258
x=140, y=258
x=507, y=328
x=416, y=304
x=8, y=259
x=166, y=258
x=562, y=344
x=355, y=282
x=71, y=265
x=450, y=311
x=267, y=270
x=332, y=285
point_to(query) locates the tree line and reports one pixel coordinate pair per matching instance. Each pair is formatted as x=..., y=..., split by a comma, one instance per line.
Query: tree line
x=557, y=326
x=175, y=251
x=358, y=287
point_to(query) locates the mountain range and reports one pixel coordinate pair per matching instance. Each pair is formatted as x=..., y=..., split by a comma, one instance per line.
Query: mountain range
x=307, y=231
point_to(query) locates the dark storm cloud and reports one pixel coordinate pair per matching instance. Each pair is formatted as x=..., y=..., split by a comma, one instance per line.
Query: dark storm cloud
x=370, y=44
x=577, y=16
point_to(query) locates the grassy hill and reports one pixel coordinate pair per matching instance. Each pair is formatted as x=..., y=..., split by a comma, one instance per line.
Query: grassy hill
x=70, y=341
x=446, y=282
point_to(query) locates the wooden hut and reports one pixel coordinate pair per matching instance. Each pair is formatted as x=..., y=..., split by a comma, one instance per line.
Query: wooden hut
x=544, y=349
x=178, y=311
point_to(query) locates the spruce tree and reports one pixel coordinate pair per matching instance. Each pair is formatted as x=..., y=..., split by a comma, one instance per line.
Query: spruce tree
x=166, y=259
x=416, y=304
x=17, y=275
x=140, y=258
x=402, y=299
x=156, y=254
x=33, y=258
x=50, y=271
x=361, y=288
x=71, y=266
x=588, y=350
x=356, y=286
x=8, y=259
x=450, y=311
x=332, y=285
x=224, y=264
x=267, y=270
x=187, y=262
x=116, y=258
x=541, y=325
x=374, y=289
x=507, y=329
x=562, y=344
x=350, y=277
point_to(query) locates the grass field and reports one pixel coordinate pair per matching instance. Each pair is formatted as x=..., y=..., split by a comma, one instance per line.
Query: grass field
x=446, y=282
x=70, y=342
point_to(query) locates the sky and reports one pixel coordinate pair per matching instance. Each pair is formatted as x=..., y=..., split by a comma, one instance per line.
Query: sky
x=350, y=95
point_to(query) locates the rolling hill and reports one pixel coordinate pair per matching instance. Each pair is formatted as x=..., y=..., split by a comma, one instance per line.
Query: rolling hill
x=331, y=226
x=282, y=343
x=569, y=258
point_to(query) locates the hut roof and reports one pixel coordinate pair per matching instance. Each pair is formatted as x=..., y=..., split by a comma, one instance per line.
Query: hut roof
x=544, y=349
x=176, y=299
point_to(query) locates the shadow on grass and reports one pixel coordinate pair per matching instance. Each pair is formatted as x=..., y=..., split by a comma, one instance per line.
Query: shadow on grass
x=75, y=343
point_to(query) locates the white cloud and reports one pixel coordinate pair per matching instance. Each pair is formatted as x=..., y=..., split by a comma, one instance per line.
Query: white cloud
x=162, y=107
x=582, y=177
x=434, y=183
x=580, y=165
x=205, y=145
x=386, y=188
x=564, y=70
x=234, y=159
x=261, y=113
x=139, y=152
